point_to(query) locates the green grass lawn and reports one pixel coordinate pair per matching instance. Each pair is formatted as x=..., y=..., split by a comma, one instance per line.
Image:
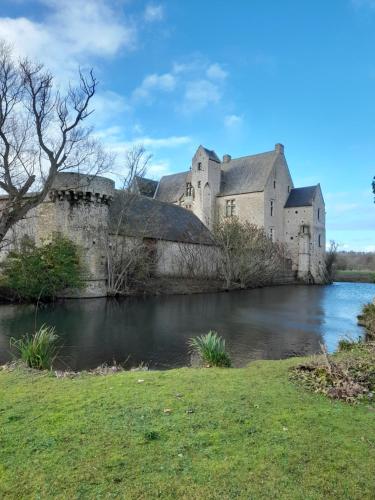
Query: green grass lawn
x=355, y=276
x=230, y=433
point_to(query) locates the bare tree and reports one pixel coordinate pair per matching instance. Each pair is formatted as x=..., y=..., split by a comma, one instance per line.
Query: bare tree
x=248, y=257
x=330, y=261
x=130, y=260
x=41, y=134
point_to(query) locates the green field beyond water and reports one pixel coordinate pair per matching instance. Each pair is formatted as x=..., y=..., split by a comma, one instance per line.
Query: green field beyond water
x=355, y=276
x=186, y=433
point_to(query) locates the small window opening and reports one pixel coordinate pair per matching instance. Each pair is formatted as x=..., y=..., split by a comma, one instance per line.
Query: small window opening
x=199, y=184
x=319, y=240
x=271, y=208
x=318, y=213
x=230, y=208
x=274, y=184
x=199, y=165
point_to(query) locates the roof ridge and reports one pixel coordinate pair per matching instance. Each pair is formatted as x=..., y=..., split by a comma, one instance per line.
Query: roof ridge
x=177, y=173
x=306, y=187
x=257, y=154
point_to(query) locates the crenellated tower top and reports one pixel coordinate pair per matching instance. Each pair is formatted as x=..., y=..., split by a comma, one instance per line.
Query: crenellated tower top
x=76, y=188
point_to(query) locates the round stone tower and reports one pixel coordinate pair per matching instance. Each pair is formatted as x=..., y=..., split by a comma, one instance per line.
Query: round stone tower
x=78, y=208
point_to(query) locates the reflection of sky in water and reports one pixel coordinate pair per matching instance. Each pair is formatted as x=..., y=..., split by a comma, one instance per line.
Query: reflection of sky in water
x=269, y=323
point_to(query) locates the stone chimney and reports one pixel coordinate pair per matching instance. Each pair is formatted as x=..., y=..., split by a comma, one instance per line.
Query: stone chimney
x=279, y=148
x=227, y=158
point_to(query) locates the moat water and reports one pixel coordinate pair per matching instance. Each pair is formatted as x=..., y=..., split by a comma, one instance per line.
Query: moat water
x=267, y=323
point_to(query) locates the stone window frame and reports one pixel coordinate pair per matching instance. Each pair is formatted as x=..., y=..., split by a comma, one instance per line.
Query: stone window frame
x=230, y=207
x=272, y=234
x=272, y=208
x=199, y=166
x=189, y=189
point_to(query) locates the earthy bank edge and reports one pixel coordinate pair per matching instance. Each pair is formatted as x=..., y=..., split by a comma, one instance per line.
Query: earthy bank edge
x=186, y=433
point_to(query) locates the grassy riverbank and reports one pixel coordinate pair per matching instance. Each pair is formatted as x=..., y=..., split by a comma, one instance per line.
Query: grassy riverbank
x=188, y=433
x=355, y=276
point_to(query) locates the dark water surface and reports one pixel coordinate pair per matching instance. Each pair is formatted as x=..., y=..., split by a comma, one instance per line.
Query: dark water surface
x=268, y=323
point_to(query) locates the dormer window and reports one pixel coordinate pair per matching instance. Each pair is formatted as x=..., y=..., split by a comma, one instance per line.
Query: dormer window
x=199, y=165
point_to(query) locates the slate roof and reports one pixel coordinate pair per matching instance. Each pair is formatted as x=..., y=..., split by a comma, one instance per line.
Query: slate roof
x=247, y=174
x=301, y=197
x=211, y=154
x=146, y=187
x=150, y=218
x=171, y=187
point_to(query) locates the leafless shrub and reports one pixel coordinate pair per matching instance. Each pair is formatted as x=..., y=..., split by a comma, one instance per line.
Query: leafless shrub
x=131, y=261
x=248, y=257
x=196, y=261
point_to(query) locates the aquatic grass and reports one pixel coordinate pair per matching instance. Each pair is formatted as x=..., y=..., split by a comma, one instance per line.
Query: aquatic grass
x=348, y=344
x=38, y=350
x=211, y=349
x=367, y=319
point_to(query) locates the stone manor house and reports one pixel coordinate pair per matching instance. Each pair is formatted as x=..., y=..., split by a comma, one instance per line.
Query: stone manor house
x=174, y=216
x=256, y=188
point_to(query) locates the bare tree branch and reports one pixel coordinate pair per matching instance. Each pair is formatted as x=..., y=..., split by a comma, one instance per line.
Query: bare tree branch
x=42, y=132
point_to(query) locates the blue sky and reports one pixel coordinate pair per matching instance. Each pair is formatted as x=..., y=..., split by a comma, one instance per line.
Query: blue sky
x=235, y=76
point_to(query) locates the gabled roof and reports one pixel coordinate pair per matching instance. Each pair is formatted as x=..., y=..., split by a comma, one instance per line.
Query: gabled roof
x=171, y=187
x=301, y=197
x=134, y=215
x=247, y=174
x=211, y=154
x=146, y=187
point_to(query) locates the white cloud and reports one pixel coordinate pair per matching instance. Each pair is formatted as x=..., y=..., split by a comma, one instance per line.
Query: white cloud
x=216, y=72
x=199, y=94
x=161, y=143
x=165, y=82
x=186, y=79
x=112, y=137
x=232, y=121
x=158, y=169
x=154, y=13
x=69, y=34
x=106, y=104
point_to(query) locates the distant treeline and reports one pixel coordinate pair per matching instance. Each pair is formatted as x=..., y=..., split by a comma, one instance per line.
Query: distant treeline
x=358, y=261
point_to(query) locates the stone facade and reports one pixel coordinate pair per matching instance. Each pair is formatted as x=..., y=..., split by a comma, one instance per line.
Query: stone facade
x=258, y=189
x=175, y=216
x=89, y=211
